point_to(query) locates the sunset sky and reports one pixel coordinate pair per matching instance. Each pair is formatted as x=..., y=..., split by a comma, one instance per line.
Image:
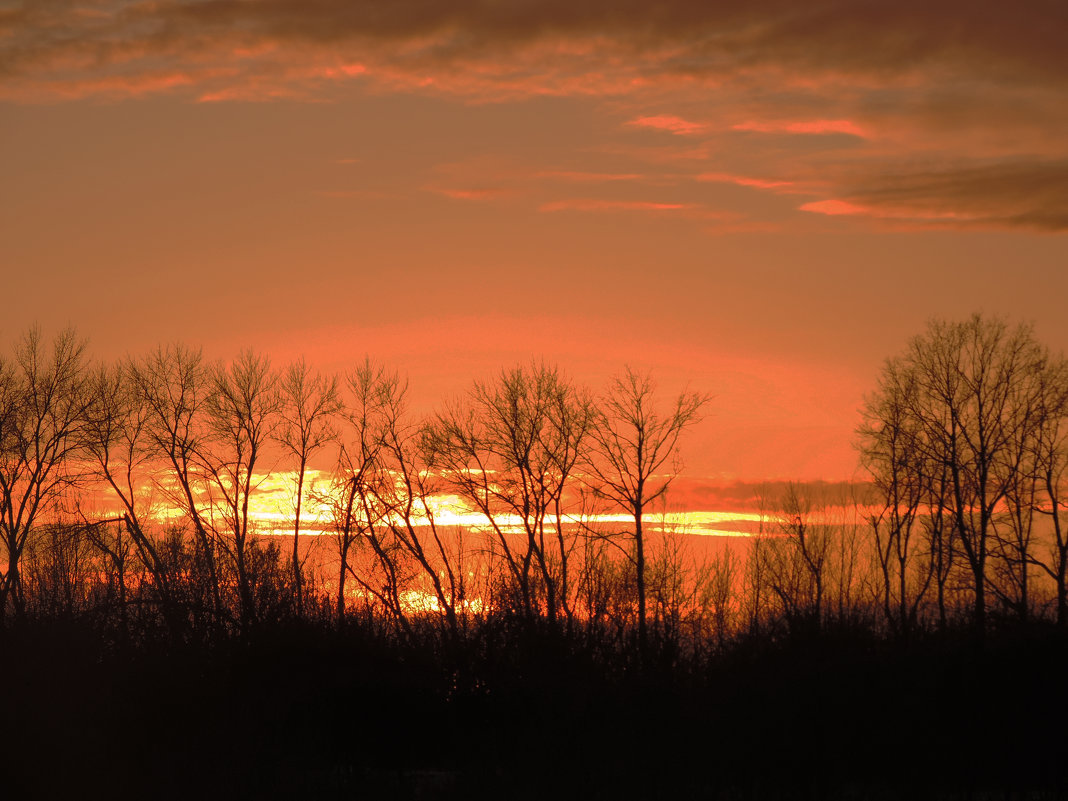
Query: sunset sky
x=759, y=200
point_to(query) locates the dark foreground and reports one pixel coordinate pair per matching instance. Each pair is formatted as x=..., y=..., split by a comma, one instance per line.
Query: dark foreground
x=308, y=713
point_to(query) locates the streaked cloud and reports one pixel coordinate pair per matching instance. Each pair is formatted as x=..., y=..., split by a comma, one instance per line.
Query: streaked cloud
x=597, y=204
x=803, y=127
x=836, y=208
x=576, y=176
x=743, y=180
x=1030, y=195
x=484, y=193
x=670, y=123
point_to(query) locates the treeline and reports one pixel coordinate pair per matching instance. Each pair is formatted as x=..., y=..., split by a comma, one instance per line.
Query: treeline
x=127, y=494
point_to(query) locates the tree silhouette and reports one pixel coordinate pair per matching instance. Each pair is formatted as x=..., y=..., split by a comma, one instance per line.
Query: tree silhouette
x=309, y=404
x=632, y=442
x=175, y=385
x=353, y=497
x=976, y=390
x=116, y=442
x=241, y=416
x=892, y=453
x=1044, y=489
x=43, y=402
x=511, y=448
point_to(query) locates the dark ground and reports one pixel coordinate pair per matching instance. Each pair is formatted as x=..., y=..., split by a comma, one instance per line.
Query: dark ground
x=308, y=713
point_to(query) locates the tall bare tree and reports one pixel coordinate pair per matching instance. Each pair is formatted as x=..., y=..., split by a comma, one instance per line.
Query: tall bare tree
x=892, y=452
x=977, y=385
x=410, y=520
x=117, y=444
x=310, y=404
x=415, y=566
x=511, y=450
x=241, y=415
x=1050, y=464
x=175, y=385
x=634, y=443
x=42, y=411
x=353, y=494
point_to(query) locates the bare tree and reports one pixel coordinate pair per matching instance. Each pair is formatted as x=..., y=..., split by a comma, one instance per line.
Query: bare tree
x=797, y=559
x=938, y=531
x=511, y=450
x=117, y=444
x=310, y=402
x=175, y=385
x=1012, y=528
x=415, y=566
x=633, y=442
x=353, y=492
x=1050, y=463
x=241, y=416
x=977, y=383
x=42, y=410
x=410, y=520
x=892, y=452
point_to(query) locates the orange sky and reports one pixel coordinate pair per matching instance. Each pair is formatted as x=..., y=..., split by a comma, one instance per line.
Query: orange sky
x=762, y=202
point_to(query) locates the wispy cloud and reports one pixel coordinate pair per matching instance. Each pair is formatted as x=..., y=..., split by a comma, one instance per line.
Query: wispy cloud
x=573, y=176
x=743, y=180
x=474, y=193
x=595, y=204
x=803, y=127
x=836, y=208
x=364, y=194
x=722, y=221
x=670, y=123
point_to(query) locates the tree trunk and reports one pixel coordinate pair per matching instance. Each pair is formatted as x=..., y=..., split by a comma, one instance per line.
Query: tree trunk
x=639, y=559
x=341, y=584
x=297, y=588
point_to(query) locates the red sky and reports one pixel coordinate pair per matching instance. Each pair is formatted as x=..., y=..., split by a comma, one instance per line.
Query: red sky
x=759, y=200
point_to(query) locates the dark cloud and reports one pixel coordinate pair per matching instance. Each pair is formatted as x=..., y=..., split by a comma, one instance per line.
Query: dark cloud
x=1032, y=195
x=983, y=82
x=1022, y=39
x=877, y=40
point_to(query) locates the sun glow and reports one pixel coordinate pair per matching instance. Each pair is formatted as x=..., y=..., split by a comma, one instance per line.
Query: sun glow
x=272, y=509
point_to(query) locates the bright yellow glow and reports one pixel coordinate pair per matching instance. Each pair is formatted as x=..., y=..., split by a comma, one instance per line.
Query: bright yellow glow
x=272, y=508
